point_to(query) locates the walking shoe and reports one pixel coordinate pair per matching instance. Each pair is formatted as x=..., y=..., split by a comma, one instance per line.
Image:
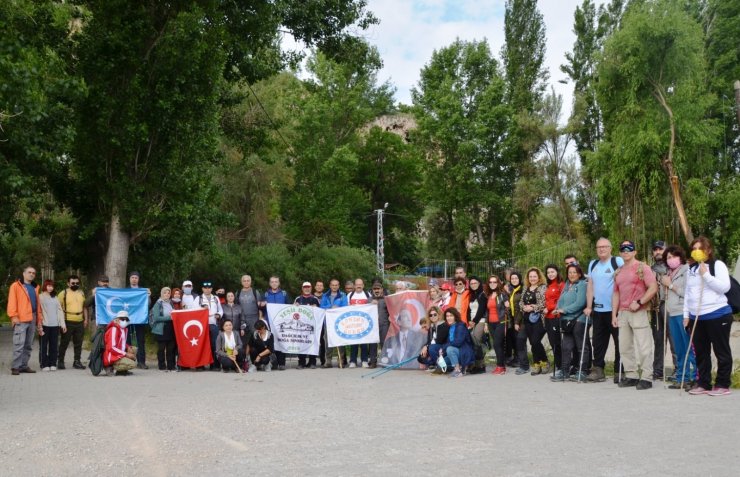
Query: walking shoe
x=578, y=377
x=78, y=365
x=719, y=392
x=511, y=362
x=53, y=368
x=559, y=376
x=629, y=382
x=144, y=366
x=373, y=364
x=520, y=371
x=499, y=371
x=46, y=369
x=457, y=374
x=596, y=376
x=313, y=366
x=697, y=390
x=545, y=367
x=122, y=373
x=15, y=371
x=60, y=365
x=687, y=385
x=352, y=365
x=365, y=365
x=268, y=367
x=536, y=369
x=326, y=365
x=27, y=370
x=281, y=367
x=643, y=384
x=437, y=370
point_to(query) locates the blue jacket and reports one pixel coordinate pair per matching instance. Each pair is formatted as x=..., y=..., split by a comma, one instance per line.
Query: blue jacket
x=459, y=337
x=341, y=300
x=279, y=297
x=573, y=301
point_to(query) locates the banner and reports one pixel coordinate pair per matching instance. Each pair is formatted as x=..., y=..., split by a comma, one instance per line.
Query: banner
x=348, y=325
x=405, y=338
x=297, y=329
x=109, y=301
x=193, y=337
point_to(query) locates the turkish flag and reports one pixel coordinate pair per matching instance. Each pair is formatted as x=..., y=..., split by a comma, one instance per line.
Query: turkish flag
x=193, y=337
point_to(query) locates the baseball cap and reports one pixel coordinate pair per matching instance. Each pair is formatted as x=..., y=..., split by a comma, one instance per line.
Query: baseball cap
x=658, y=244
x=122, y=314
x=187, y=283
x=446, y=286
x=134, y=273
x=306, y=284
x=103, y=278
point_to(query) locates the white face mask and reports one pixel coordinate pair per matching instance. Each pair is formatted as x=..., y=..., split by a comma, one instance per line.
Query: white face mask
x=176, y=300
x=188, y=290
x=123, y=323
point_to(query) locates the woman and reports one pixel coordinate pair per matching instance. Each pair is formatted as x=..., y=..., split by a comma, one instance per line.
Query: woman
x=435, y=294
x=233, y=313
x=477, y=311
x=554, y=288
x=436, y=336
x=574, y=325
x=53, y=322
x=513, y=287
x=229, y=349
x=497, y=305
x=458, y=349
x=705, y=304
x=176, y=299
x=529, y=324
x=163, y=330
x=261, y=347
x=674, y=282
x=460, y=299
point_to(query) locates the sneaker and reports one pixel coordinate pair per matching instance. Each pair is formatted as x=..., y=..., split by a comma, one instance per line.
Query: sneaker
x=520, y=371
x=365, y=364
x=457, y=374
x=144, y=366
x=596, y=376
x=78, y=365
x=536, y=369
x=46, y=369
x=578, y=377
x=559, y=376
x=352, y=365
x=313, y=366
x=644, y=384
x=545, y=367
x=281, y=367
x=629, y=382
x=60, y=365
x=52, y=368
x=719, y=392
x=697, y=390
x=686, y=385
x=499, y=370
x=438, y=370
x=268, y=367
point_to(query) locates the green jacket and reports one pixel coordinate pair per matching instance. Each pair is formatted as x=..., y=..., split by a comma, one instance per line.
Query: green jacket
x=573, y=301
x=159, y=315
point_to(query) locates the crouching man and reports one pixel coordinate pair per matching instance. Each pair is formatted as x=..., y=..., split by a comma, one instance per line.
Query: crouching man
x=118, y=356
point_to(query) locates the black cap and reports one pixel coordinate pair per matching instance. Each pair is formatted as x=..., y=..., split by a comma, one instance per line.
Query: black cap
x=658, y=244
x=207, y=284
x=134, y=273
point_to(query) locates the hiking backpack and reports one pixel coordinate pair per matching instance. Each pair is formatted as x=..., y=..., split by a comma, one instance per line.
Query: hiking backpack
x=96, y=352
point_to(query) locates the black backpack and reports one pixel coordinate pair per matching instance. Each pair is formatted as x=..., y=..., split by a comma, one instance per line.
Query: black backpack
x=96, y=352
x=615, y=265
x=733, y=295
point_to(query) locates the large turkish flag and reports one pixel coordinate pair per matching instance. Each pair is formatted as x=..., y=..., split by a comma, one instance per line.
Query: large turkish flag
x=192, y=335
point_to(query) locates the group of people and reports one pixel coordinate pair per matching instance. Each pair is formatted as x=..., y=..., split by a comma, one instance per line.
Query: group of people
x=677, y=299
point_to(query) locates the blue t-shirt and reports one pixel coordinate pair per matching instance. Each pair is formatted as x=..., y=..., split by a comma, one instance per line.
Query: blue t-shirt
x=32, y=295
x=602, y=278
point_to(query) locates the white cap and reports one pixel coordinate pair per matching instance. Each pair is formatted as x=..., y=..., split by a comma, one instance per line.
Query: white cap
x=186, y=283
x=306, y=284
x=122, y=314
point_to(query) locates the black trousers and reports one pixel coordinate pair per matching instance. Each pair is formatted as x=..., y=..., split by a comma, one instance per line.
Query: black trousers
x=552, y=326
x=577, y=351
x=166, y=354
x=498, y=332
x=50, y=346
x=280, y=358
x=302, y=360
x=226, y=363
x=534, y=332
x=75, y=333
x=657, y=326
x=139, y=331
x=603, y=329
x=713, y=335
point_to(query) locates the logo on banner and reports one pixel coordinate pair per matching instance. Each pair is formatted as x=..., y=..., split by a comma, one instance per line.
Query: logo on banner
x=353, y=325
x=296, y=328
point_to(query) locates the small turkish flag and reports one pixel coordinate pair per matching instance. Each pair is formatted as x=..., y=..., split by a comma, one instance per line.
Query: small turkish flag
x=193, y=337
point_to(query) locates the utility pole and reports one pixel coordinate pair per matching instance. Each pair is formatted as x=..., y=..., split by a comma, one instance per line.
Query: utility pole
x=379, y=252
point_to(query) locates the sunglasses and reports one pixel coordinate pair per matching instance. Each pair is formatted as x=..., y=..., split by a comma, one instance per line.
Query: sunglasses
x=123, y=319
x=433, y=314
x=74, y=283
x=626, y=248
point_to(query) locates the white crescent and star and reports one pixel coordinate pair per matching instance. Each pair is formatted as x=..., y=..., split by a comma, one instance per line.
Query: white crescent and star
x=109, y=304
x=196, y=323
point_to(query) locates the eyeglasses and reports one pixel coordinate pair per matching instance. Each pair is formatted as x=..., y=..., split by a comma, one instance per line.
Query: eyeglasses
x=433, y=314
x=493, y=282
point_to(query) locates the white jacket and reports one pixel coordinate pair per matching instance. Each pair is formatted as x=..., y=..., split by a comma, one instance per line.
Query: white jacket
x=711, y=296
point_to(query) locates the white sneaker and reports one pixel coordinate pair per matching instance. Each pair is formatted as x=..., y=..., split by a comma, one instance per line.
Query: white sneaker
x=352, y=365
x=53, y=368
x=46, y=369
x=365, y=365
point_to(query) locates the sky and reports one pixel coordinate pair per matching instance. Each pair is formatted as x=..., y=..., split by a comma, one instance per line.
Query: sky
x=410, y=30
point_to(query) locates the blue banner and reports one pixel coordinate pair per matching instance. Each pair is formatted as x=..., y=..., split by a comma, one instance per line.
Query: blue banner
x=109, y=301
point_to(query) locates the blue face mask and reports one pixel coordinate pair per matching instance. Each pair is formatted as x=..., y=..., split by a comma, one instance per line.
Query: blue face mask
x=187, y=290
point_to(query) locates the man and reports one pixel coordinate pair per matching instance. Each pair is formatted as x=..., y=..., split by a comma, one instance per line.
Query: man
x=306, y=298
x=460, y=298
x=118, y=355
x=250, y=300
x=407, y=343
x=210, y=302
x=75, y=315
x=657, y=311
x=279, y=297
x=349, y=287
x=189, y=299
x=460, y=273
x=384, y=322
x=24, y=311
x=634, y=287
x=103, y=282
x=138, y=331
x=570, y=260
x=318, y=290
x=334, y=298
x=359, y=297
x=599, y=290
x=400, y=286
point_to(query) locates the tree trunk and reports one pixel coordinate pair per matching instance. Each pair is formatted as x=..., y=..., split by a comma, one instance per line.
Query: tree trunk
x=116, y=256
x=737, y=101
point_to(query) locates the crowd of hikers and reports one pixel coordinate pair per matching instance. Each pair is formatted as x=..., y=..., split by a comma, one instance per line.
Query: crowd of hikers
x=685, y=301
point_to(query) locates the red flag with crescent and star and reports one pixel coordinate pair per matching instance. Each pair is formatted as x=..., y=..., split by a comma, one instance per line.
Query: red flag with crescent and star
x=192, y=335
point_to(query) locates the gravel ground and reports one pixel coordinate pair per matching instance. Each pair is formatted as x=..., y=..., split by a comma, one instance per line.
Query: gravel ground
x=334, y=422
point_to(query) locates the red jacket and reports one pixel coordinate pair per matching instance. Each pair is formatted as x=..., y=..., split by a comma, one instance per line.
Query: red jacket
x=19, y=304
x=552, y=295
x=115, y=343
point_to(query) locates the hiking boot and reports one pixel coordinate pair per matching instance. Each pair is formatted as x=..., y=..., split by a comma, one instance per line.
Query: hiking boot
x=78, y=365
x=686, y=385
x=545, y=367
x=559, y=376
x=536, y=369
x=578, y=377
x=60, y=365
x=596, y=376
x=643, y=384
x=27, y=370
x=15, y=371
x=144, y=366
x=629, y=382
x=500, y=370
x=521, y=371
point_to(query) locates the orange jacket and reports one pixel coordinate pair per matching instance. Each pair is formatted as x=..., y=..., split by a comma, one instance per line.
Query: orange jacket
x=464, y=303
x=19, y=304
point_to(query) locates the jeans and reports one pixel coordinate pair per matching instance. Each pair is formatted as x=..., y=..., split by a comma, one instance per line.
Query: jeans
x=574, y=346
x=498, y=332
x=75, y=333
x=602, y=330
x=50, y=346
x=363, y=352
x=553, y=336
x=534, y=332
x=713, y=335
x=22, y=343
x=681, y=343
x=454, y=355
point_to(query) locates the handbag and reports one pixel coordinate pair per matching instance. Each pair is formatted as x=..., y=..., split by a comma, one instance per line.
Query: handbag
x=534, y=317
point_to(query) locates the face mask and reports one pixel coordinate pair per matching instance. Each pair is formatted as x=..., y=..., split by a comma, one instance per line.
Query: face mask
x=673, y=263
x=123, y=324
x=187, y=290
x=74, y=287
x=699, y=255
x=176, y=300
x=220, y=295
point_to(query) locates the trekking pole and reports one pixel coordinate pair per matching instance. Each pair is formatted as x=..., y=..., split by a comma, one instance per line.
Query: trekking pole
x=665, y=337
x=693, y=329
x=382, y=371
x=583, y=348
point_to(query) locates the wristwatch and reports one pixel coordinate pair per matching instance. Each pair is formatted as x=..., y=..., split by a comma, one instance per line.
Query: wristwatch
x=639, y=302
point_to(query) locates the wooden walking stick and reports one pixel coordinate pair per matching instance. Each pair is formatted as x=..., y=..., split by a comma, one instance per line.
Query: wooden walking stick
x=693, y=327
